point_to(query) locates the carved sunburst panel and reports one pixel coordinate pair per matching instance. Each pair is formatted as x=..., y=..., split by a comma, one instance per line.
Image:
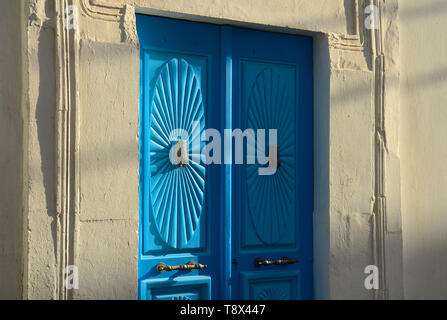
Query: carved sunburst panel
x=273, y=293
x=271, y=198
x=177, y=193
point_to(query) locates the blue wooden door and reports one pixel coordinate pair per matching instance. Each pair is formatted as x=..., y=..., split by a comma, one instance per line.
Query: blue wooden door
x=249, y=235
x=178, y=204
x=272, y=214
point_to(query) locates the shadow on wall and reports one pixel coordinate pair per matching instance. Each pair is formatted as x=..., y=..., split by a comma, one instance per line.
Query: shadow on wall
x=10, y=153
x=423, y=63
x=45, y=114
x=321, y=166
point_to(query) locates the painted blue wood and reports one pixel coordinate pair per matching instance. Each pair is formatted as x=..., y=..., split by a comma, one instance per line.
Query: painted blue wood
x=224, y=216
x=177, y=194
x=268, y=94
x=179, y=288
x=284, y=285
x=272, y=215
x=178, y=205
x=227, y=107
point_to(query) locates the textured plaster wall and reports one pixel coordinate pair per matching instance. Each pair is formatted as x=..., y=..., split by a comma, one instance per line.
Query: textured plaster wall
x=321, y=15
x=40, y=216
x=351, y=181
x=103, y=186
x=107, y=251
x=424, y=146
x=98, y=187
x=392, y=141
x=344, y=129
x=10, y=152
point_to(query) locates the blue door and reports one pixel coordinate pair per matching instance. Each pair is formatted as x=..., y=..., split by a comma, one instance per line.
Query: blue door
x=272, y=214
x=223, y=231
x=179, y=204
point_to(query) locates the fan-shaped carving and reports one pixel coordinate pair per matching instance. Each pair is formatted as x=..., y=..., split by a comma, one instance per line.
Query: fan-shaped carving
x=177, y=193
x=272, y=293
x=271, y=197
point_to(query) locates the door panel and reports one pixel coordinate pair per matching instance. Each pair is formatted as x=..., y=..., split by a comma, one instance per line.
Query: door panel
x=196, y=76
x=179, y=86
x=272, y=214
x=176, y=194
x=268, y=99
x=283, y=285
x=182, y=288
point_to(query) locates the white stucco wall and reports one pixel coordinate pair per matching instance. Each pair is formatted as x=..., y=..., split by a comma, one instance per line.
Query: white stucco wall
x=423, y=52
x=10, y=151
x=344, y=144
x=80, y=143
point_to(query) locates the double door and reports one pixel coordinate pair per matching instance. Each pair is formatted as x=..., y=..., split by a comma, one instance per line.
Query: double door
x=214, y=223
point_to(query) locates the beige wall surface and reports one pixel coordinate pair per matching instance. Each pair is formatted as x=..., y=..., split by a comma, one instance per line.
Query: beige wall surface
x=80, y=142
x=423, y=54
x=10, y=152
x=108, y=79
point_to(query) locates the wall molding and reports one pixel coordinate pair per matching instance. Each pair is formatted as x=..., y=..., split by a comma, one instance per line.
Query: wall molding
x=350, y=42
x=379, y=211
x=100, y=9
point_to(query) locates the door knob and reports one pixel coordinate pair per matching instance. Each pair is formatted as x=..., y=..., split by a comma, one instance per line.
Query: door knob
x=282, y=261
x=191, y=265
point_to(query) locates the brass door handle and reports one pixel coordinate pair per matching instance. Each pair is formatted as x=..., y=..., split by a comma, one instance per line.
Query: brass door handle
x=191, y=265
x=282, y=261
